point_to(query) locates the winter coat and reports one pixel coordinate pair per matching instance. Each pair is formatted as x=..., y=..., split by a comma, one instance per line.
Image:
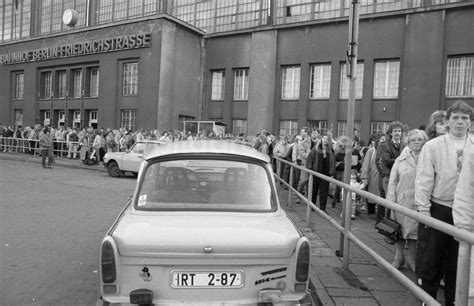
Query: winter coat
x=369, y=171
x=388, y=154
x=401, y=190
x=314, y=157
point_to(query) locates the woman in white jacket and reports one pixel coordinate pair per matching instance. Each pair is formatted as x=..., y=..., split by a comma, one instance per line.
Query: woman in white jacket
x=401, y=190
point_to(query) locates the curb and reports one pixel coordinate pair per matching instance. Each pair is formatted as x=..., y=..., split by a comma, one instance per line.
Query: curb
x=62, y=162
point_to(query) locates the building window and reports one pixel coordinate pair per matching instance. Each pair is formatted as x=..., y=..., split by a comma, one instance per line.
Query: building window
x=321, y=125
x=241, y=84
x=379, y=127
x=218, y=85
x=61, y=84
x=92, y=82
x=344, y=93
x=46, y=79
x=289, y=127
x=18, y=117
x=460, y=76
x=320, y=81
x=113, y=10
x=386, y=78
x=290, y=83
x=14, y=19
x=342, y=127
x=19, y=86
x=76, y=83
x=128, y=119
x=130, y=79
x=239, y=126
x=47, y=118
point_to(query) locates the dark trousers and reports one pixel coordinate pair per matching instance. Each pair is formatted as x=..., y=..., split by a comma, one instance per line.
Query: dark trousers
x=338, y=175
x=370, y=208
x=296, y=175
x=46, y=152
x=285, y=172
x=380, y=214
x=322, y=187
x=441, y=257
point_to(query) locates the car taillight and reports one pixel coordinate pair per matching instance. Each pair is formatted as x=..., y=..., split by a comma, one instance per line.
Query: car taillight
x=302, y=264
x=109, y=272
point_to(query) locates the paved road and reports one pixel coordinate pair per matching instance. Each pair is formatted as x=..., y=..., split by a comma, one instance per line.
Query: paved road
x=51, y=225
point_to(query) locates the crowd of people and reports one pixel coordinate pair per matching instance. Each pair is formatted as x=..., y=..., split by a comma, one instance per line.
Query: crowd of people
x=416, y=168
x=87, y=144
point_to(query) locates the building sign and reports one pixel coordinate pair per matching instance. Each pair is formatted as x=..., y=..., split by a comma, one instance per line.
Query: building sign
x=103, y=45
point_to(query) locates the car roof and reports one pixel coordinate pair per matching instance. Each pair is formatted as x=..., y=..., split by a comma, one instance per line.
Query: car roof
x=200, y=147
x=150, y=140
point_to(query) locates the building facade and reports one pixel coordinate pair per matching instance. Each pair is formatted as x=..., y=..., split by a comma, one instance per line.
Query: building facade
x=276, y=65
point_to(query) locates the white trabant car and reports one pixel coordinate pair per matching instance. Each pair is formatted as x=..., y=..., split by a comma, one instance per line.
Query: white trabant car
x=204, y=227
x=117, y=163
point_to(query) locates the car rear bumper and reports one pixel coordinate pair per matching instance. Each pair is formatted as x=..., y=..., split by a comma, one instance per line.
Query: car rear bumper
x=305, y=302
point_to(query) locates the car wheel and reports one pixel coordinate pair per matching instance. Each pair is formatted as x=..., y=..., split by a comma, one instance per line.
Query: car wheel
x=113, y=169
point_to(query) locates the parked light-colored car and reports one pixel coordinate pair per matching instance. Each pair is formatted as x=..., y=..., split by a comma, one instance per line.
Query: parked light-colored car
x=204, y=227
x=117, y=163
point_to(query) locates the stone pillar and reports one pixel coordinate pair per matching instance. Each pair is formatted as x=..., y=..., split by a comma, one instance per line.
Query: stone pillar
x=262, y=74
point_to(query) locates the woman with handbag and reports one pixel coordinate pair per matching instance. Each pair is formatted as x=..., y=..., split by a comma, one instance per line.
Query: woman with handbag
x=401, y=190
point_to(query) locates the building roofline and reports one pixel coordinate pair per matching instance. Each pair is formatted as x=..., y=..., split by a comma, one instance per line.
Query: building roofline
x=339, y=19
x=108, y=25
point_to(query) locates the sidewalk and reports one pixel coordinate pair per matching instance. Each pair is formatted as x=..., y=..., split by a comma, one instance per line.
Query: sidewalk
x=365, y=283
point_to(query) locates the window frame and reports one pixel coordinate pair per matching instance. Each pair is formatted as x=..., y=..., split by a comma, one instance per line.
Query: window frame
x=46, y=83
x=461, y=75
x=60, y=84
x=291, y=130
x=92, y=81
x=321, y=82
x=239, y=126
x=343, y=123
x=130, y=79
x=218, y=88
x=293, y=81
x=241, y=91
x=359, y=86
x=386, y=88
x=132, y=117
x=19, y=92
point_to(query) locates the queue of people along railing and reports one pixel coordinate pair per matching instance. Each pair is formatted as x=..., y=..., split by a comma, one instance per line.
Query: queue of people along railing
x=465, y=238
x=24, y=145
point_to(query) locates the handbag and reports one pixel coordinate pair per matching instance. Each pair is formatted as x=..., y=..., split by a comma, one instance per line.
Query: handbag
x=390, y=229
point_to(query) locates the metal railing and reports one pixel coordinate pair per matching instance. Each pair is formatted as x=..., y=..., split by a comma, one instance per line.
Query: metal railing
x=465, y=238
x=31, y=146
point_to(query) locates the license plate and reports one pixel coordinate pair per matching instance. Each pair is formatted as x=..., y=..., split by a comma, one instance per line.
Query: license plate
x=180, y=279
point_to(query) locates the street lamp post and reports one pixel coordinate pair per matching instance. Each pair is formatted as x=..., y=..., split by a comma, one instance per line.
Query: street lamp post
x=351, y=75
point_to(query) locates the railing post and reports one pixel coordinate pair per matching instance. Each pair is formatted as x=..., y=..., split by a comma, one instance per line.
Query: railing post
x=310, y=197
x=291, y=184
x=463, y=273
x=347, y=229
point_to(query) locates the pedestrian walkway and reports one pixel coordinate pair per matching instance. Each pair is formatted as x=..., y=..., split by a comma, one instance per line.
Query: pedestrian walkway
x=366, y=283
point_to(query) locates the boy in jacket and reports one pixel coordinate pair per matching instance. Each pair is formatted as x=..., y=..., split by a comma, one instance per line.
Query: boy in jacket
x=437, y=175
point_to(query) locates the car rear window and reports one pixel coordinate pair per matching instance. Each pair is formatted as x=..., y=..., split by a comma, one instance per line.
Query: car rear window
x=207, y=185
